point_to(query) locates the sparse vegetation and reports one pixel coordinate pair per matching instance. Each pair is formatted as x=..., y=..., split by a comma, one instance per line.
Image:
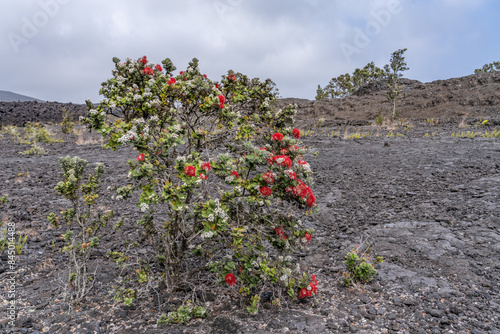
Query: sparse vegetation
x=346, y=84
x=84, y=223
x=67, y=125
x=394, y=69
x=358, y=266
x=491, y=67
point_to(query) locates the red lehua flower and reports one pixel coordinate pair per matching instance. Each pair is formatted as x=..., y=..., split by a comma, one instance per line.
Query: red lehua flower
x=206, y=165
x=314, y=288
x=217, y=85
x=308, y=237
x=148, y=70
x=202, y=176
x=311, y=199
x=315, y=281
x=296, y=133
x=279, y=232
x=158, y=68
x=144, y=60
x=235, y=174
x=277, y=136
x=268, y=177
x=205, y=76
x=222, y=106
x=265, y=191
x=140, y=157
x=230, y=279
x=282, y=160
x=222, y=99
x=190, y=171
x=171, y=81
x=303, y=293
x=181, y=72
x=232, y=77
x=262, y=148
x=301, y=162
x=283, y=151
x=293, y=148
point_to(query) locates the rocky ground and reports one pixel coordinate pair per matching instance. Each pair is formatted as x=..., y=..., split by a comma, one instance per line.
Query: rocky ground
x=423, y=193
x=426, y=201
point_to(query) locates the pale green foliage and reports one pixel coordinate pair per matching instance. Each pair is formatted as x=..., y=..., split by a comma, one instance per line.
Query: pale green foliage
x=67, y=125
x=83, y=220
x=183, y=314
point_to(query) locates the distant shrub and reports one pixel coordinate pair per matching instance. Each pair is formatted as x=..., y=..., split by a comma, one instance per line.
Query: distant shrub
x=67, y=125
x=491, y=67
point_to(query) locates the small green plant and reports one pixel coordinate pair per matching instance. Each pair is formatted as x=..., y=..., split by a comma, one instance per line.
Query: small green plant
x=492, y=134
x=84, y=221
x=3, y=199
x=463, y=134
x=38, y=133
x=359, y=269
x=67, y=125
x=379, y=120
x=53, y=220
x=18, y=244
x=35, y=150
x=184, y=314
x=356, y=135
x=9, y=130
x=432, y=121
x=433, y=134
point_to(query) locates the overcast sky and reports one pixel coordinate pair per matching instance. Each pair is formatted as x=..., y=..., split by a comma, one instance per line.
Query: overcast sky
x=61, y=50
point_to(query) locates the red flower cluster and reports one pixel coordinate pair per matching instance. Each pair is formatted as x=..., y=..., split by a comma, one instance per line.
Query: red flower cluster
x=308, y=237
x=282, y=160
x=303, y=191
x=232, y=77
x=206, y=165
x=158, y=68
x=265, y=191
x=181, y=72
x=296, y=133
x=235, y=174
x=202, y=176
x=230, y=279
x=283, y=151
x=205, y=76
x=293, y=148
x=277, y=136
x=222, y=99
x=190, y=171
x=148, y=71
x=268, y=177
x=140, y=157
x=312, y=289
x=279, y=232
x=144, y=60
x=171, y=81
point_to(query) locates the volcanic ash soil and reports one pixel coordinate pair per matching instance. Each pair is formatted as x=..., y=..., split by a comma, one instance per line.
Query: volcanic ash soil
x=424, y=200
